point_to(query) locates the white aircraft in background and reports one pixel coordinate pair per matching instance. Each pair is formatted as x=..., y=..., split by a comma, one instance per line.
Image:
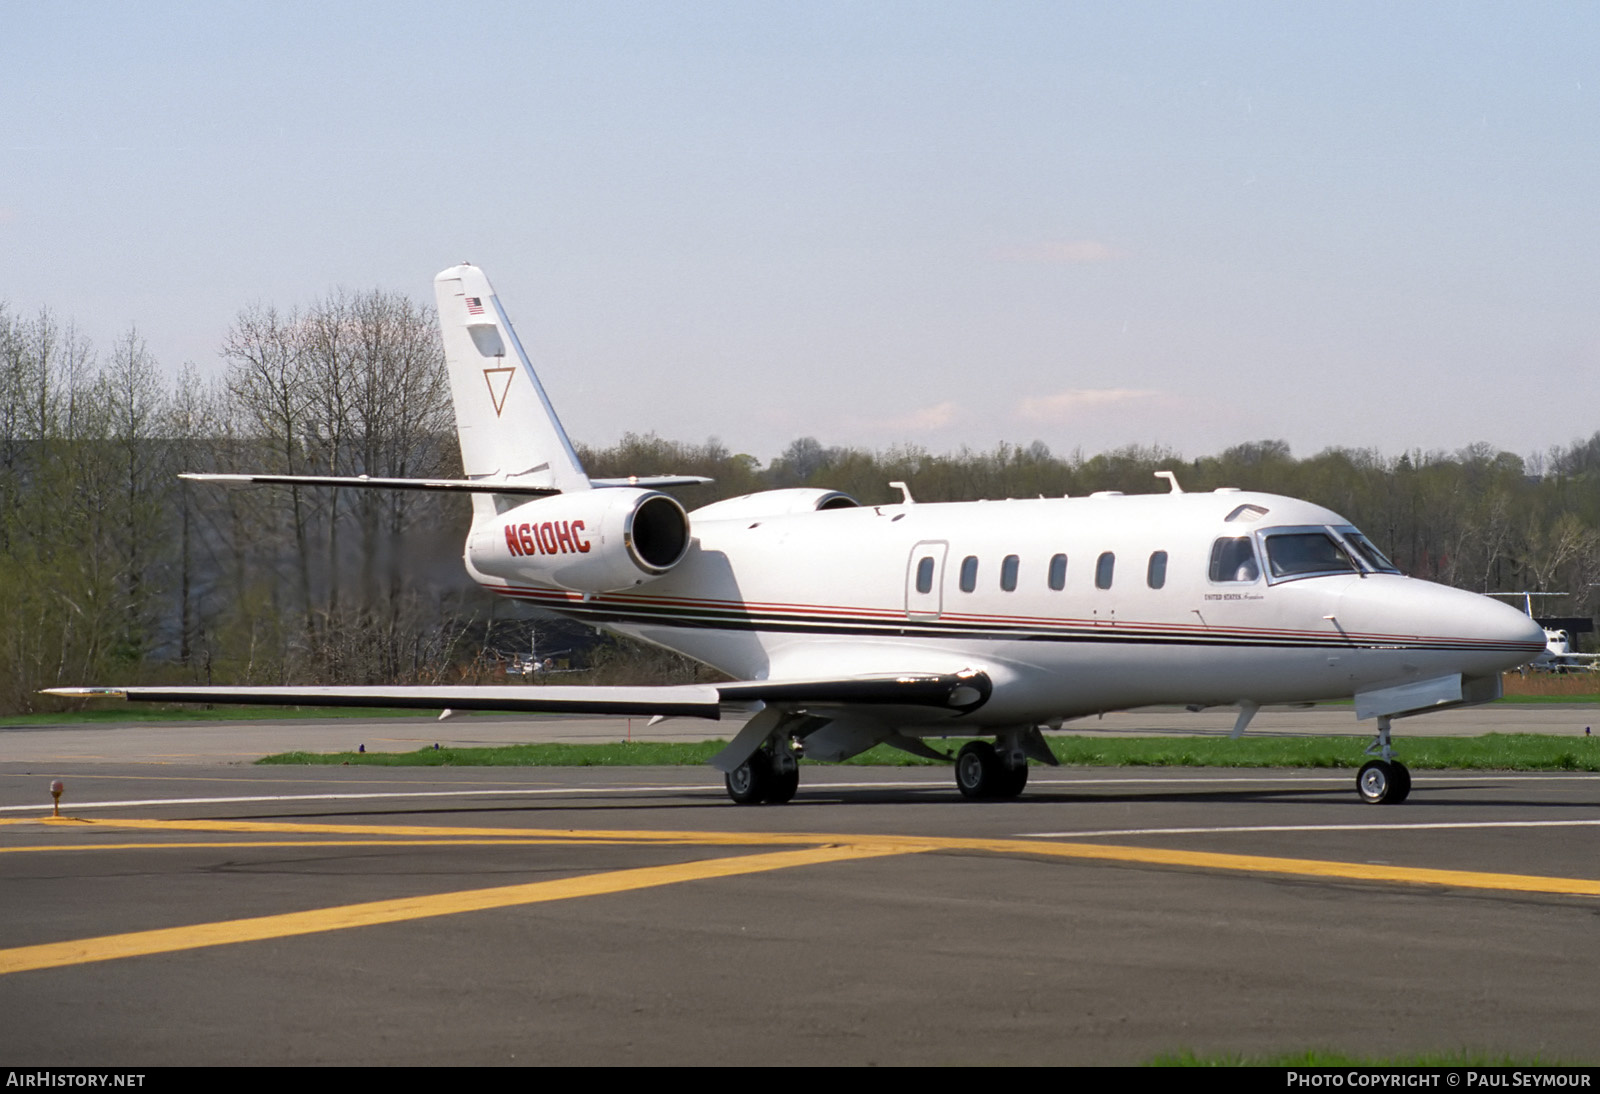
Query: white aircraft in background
x=845, y=625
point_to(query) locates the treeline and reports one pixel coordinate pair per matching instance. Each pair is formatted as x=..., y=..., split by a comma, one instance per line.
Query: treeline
x=113, y=570
x=1478, y=518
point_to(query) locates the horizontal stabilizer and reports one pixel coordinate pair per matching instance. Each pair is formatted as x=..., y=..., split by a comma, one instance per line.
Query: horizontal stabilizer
x=463, y=486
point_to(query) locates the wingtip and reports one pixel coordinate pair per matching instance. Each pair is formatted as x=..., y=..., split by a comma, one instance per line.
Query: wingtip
x=86, y=693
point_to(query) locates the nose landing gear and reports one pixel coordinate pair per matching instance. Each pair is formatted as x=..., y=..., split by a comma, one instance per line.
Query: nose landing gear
x=1383, y=781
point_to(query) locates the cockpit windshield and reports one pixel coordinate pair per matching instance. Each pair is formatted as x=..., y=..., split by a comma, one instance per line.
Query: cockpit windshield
x=1309, y=551
x=1298, y=554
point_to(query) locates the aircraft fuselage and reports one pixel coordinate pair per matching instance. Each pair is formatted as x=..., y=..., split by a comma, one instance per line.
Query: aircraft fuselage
x=1074, y=605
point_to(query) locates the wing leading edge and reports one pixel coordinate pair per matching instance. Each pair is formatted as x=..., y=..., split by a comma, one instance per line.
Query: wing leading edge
x=956, y=692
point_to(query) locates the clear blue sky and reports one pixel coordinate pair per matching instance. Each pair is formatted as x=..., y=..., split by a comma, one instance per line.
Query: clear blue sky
x=1360, y=224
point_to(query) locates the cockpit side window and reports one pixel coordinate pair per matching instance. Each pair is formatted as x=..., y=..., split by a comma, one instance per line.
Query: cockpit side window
x=1234, y=559
x=1292, y=554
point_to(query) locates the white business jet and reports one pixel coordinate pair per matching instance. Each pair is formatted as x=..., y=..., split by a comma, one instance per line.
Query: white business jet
x=846, y=626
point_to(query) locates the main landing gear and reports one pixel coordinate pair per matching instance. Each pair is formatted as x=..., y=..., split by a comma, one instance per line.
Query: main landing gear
x=769, y=775
x=1383, y=781
x=991, y=771
x=981, y=772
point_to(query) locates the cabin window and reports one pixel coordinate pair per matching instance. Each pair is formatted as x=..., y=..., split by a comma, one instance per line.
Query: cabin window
x=925, y=575
x=1008, y=573
x=1297, y=553
x=1156, y=575
x=1058, y=572
x=969, y=573
x=1103, y=569
x=1234, y=559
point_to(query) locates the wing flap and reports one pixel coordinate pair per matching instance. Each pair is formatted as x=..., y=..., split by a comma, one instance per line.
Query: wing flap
x=961, y=691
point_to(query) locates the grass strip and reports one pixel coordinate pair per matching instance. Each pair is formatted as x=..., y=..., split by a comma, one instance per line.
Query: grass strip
x=1495, y=751
x=120, y=711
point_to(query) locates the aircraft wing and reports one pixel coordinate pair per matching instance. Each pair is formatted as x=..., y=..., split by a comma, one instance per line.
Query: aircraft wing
x=947, y=691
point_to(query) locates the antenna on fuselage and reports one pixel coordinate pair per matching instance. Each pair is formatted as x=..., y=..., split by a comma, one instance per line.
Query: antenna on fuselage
x=905, y=493
x=1171, y=479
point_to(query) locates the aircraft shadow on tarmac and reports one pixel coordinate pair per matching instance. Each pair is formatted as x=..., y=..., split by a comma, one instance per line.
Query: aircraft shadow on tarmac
x=1435, y=796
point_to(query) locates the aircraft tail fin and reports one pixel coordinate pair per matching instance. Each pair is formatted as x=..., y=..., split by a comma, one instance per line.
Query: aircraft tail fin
x=507, y=427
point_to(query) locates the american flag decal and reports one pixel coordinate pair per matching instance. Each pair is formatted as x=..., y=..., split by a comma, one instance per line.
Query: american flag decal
x=474, y=306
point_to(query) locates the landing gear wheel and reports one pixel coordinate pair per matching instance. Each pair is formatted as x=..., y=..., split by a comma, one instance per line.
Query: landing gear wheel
x=978, y=770
x=1383, y=782
x=1012, y=780
x=782, y=785
x=1402, y=783
x=751, y=781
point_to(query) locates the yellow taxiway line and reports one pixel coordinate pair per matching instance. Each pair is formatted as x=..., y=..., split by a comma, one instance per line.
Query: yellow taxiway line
x=802, y=849
x=372, y=913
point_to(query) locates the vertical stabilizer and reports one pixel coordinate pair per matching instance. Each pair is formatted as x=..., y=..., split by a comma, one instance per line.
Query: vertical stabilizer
x=506, y=425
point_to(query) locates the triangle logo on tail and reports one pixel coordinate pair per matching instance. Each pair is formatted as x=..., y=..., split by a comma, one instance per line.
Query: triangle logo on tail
x=498, y=378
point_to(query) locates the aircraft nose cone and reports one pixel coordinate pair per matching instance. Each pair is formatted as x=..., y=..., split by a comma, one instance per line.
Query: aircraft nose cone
x=1487, y=636
x=1494, y=623
x=1527, y=632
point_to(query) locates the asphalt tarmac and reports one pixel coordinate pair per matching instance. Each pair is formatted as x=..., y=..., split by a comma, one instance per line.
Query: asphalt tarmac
x=193, y=909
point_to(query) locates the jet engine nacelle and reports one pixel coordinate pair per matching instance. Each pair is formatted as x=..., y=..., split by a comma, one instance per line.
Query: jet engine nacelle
x=594, y=541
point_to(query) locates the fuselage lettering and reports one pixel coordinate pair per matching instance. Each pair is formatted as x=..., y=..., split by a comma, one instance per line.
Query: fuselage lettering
x=550, y=538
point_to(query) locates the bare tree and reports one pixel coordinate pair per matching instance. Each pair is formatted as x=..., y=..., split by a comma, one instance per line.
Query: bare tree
x=268, y=382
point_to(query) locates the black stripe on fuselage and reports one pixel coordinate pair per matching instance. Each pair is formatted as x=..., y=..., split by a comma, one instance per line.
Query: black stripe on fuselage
x=782, y=623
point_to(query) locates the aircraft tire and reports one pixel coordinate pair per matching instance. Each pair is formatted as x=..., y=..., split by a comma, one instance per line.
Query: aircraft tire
x=1011, y=781
x=978, y=771
x=782, y=785
x=1402, y=778
x=1381, y=782
x=750, y=782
